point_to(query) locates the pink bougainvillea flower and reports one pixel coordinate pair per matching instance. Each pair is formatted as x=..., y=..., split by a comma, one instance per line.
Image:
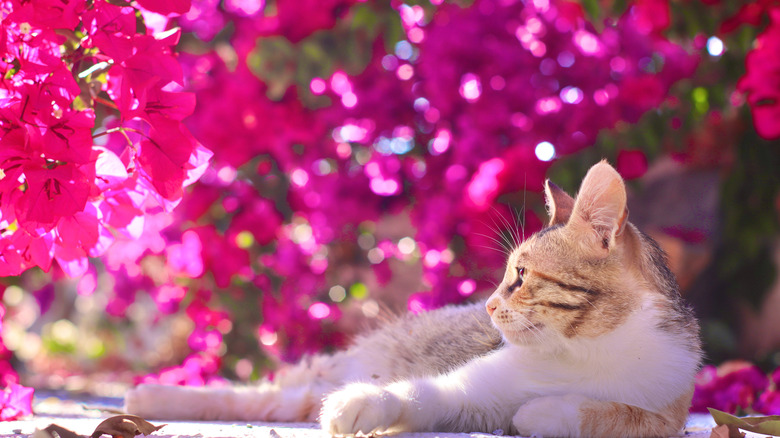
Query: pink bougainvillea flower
x=650, y=16
x=484, y=186
x=55, y=14
x=751, y=13
x=185, y=258
x=320, y=14
x=166, y=7
x=52, y=194
x=66, y=138
x=78, y=230
x=731, y=386
x=631, y=163
x=258, y=216
x=775, y=377
x=768, y=403
x=202, y=339
x=198, y=369
x=223, y=258
x=45, y=297
x=164, y=156
x=22, y=250
x=110, y=28
x=72, y=260
x=167, y=297
x=761, y=82
x=15, y=402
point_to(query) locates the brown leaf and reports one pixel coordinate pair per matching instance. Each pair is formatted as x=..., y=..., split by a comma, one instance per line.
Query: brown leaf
x=55, y=431
x=125, y=426
x=721, y=431
x=726, y=431
x=768, y=425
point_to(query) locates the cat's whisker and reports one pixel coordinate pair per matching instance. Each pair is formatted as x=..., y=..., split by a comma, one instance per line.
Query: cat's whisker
x=535, y=329
x=526, y=324
x=492, y=248
x=521, y=219
x=594, y=306
x=525, y=191
x=517, y=227
x=503, y=242
x=511, y=244
x=507, y=226
x=487, y=331
x=503, y=249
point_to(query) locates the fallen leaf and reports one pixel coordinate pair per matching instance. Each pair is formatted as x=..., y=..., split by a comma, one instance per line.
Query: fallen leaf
x=721, y=431
x=125, y=426
x=767, y=425
x=54, y=431
x=726, y=431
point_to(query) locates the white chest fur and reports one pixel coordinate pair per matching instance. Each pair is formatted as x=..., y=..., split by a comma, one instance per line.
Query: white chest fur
x=638, y=364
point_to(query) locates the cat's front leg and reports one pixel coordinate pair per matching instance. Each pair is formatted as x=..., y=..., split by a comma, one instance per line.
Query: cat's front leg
x=552, y=416
x=360, y=408
x=574, y=415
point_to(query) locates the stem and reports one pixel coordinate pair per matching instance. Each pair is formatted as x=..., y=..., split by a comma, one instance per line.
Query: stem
x=122, y=130
x=105, y=102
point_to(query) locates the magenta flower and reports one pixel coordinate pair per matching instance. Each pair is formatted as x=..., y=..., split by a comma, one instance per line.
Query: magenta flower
x=761, y=82
x=631, y=163
x=768, y=403
x=15, y=402
x=166, y=7
x=733, y=385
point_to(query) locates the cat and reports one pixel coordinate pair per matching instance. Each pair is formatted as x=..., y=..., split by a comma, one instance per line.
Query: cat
x=586, y=336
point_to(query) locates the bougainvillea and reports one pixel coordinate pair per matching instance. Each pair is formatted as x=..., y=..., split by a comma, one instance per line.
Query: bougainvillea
x=91, y=134
x=68, y=82
x=737, y=386
x=324, y=119
x=761, y=83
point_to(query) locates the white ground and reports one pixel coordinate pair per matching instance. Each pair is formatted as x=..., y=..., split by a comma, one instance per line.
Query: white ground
x=76, y=416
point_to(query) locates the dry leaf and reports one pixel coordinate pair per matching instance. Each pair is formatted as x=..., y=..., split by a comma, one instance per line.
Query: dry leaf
x=721, y=431
x=726, y=431
x=768, y=425
x=125, y=426
x=54, y=431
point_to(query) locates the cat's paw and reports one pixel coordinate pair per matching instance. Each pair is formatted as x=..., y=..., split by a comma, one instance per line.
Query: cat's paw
x=144, y=399
x=360, y=408
x=555, y=416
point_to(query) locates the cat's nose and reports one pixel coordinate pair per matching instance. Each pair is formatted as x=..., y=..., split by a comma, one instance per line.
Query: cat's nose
x=490, y=308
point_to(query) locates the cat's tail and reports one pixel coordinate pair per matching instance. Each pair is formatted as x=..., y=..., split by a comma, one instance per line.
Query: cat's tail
x=295, y=395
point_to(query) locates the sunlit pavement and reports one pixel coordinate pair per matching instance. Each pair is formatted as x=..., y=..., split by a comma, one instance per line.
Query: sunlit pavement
x=82, y=416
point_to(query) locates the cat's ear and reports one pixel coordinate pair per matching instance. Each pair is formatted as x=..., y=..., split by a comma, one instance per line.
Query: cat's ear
x=559, y=203
x=600, y=213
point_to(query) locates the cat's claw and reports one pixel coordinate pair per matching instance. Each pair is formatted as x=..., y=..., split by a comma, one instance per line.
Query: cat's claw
x=360, y=408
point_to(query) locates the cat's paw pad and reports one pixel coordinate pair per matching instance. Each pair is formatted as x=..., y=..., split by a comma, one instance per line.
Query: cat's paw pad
x=557, y=416
x=360, y=408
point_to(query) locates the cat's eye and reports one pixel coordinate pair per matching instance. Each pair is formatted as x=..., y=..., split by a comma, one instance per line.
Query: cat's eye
x=519, y=280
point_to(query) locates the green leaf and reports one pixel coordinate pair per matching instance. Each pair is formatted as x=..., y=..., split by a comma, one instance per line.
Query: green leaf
x=593, y=10
x=768, y=425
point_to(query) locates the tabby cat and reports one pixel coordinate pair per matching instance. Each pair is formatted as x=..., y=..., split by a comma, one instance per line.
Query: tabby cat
x=586, y=335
